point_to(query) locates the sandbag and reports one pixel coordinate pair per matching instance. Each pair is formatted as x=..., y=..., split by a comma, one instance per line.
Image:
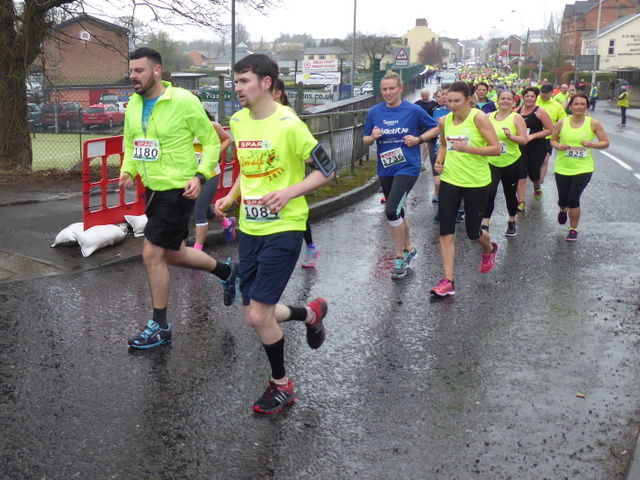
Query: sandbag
x=67, y=235
x=100, y=236
x=137, y=222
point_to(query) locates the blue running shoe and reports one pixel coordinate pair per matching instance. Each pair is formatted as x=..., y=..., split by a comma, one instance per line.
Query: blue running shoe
x=230, y=285
x=409, y=256
x=399, y=268
x=151, y=336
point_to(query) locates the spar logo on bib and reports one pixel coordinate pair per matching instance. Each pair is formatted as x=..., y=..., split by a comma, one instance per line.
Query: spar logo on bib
x=254, y=144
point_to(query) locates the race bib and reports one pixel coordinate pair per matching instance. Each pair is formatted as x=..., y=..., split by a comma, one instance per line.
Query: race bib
x=577, y=152
x=254, y=211
x=392, y=157
x=145, y=150
x=503, y=148
x=455, y=137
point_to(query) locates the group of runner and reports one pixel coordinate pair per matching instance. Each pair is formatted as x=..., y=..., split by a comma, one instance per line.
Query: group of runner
x=475, y=143
x=273, y=147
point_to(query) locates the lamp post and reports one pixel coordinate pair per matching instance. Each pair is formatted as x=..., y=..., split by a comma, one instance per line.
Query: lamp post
x=521, y=31
x=353, y=57
x=595, y=53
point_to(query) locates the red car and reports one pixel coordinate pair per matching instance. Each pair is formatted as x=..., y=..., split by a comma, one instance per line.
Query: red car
x=69, y=115
x=106, y=115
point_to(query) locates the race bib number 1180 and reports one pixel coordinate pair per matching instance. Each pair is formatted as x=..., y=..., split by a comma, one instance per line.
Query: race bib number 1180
x=145, y=150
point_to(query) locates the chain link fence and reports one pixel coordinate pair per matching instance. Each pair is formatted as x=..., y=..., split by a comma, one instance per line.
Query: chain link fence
x=57, y=136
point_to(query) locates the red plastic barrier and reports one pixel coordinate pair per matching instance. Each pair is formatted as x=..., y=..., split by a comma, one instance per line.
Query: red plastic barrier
x=102, y=213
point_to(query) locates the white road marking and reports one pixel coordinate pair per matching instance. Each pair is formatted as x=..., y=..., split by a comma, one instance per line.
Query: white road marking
x=618, y=161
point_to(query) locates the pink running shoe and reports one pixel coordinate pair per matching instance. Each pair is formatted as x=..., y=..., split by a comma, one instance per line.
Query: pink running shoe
x=489, y=259
x=444, y=288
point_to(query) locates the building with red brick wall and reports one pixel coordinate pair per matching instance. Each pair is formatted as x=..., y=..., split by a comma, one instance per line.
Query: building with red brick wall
x=86, y=50
x=581, y=18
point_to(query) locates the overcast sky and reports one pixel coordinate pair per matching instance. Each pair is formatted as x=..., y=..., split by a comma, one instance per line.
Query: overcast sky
x=462, y=19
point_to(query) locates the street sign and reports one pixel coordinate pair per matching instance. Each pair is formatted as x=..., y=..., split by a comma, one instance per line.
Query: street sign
x=318, y=78
x=402, y=57
x=324, y=65
x=585, y=62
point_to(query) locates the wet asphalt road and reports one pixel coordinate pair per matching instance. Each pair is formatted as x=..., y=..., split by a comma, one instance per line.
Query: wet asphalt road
x=481, y=385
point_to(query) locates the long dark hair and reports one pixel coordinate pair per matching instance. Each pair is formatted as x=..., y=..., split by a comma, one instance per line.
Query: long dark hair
x=279, y=86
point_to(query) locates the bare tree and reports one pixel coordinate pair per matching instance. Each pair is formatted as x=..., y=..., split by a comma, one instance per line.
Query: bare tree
x=372, y=47
x=431, y=53
x=26, y=23
x=550, y=48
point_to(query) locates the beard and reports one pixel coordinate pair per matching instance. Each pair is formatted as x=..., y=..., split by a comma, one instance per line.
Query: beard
x=143, y=89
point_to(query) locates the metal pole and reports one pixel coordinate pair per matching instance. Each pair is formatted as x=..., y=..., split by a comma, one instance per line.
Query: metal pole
x=233, y=55
x=595, y=53
x=353, y=58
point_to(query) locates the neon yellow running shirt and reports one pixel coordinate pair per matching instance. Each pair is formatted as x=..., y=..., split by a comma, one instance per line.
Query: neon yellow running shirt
x=578, y=159
x=272, y=154
x=510, y=150
x=465, y=169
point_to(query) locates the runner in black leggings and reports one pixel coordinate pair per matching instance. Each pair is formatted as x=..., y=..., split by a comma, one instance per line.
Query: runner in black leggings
x=512, y=132
x=533, y=153
x=396, y=127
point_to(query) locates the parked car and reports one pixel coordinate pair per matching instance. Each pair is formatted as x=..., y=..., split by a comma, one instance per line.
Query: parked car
x=35, y=116
x=105, y=115
x=366, y=88
x=448, y=77
x=69, y=115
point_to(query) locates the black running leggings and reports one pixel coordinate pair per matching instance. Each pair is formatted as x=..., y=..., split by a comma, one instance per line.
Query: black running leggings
x=475, y=201
x=570, y=188
x=396, y=189
x=509, y=177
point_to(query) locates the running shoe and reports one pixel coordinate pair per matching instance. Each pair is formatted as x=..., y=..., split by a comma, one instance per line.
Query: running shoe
x=573, y=235
x=436, y=219
x=511, y=229
x=230, y=285
x=230, y=231
x=434, y=199
x=537, y=193
x=444, y=288
x=423, y=167
x=310, y=257
x=275, y=398
x=383, y=200
x=621, y=125
x=460, y=216
x=151, y=336
x=489, y=259
x=315, y=329
x=562, y=217
x=409, y=256
x=399, y=268
x=521, y=206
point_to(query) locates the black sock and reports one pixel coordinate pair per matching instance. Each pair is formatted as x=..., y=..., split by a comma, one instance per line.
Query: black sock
x=222, y=271
x=160, y=317
x=275, y=354
x=297, y=313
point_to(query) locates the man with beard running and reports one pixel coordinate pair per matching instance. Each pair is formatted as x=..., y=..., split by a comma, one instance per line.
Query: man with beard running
x=159, y=128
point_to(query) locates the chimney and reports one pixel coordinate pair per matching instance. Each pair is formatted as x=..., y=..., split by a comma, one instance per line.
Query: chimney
x=421, y=22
